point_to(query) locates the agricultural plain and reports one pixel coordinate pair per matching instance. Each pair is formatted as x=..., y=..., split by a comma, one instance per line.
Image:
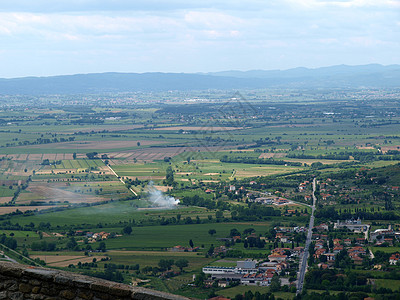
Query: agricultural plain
x=115, y=189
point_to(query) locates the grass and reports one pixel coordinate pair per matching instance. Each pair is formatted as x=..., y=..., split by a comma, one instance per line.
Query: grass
x=6, y=191
x=151, y=258
x=202, y=170
x=139, y=170
x=79, y=164
x=386, y=249
x=323, y=291
x=241, y=289
x=19, y=234
x=147, y=245
x=106, y=213
x=224, y=263
x=392, y=284
x=163, y=237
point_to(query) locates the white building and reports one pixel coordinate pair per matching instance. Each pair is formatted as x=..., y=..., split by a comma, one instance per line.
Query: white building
x=353, y=225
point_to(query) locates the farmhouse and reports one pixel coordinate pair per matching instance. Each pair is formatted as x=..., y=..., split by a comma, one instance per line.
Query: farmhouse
x=262, y=200
x=257, y=279
x=381, y=234
x=277, y=257
x=183, y=249
x=394, y=259
x=322, y=227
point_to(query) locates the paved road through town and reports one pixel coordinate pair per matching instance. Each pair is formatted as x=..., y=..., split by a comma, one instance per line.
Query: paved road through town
x=303, y=263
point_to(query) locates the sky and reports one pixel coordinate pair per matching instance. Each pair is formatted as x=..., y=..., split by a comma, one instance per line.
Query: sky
x=57, y=37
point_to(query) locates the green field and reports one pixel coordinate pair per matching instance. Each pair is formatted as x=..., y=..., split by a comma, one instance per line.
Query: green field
x=109, y=213
x=162, y=237
x=290, y=137
x=388, y=283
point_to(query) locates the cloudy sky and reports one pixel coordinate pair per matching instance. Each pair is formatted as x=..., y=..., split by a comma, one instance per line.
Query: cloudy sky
x=52, y=37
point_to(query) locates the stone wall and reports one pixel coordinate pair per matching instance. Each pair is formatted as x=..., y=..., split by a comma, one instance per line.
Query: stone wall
x=18, y=282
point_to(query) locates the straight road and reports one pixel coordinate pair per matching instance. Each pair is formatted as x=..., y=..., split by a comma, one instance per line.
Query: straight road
x=120, y=179
x=303, y=263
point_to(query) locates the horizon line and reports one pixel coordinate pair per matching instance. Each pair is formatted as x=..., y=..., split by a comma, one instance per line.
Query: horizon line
x=200, y=73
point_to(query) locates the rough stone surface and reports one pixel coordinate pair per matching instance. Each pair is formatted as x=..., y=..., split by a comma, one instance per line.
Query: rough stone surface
x=34, y=282
x=67, y=294
x=18, y=282
x=86, y=295
x=3, y=295
x=16, y=296
x=25, y=288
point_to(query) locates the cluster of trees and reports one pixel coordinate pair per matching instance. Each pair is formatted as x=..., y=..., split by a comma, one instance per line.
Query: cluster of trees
x=87, y=265
x=108, y=274
x=337, y=296
x=92, y=155
x=330, y=213
x=340, y=156
x=196, y=200
x=253, y=242
x=47, y=162
x=249, y=295
x=259, y=143
x=40, y=141
x=87, y=120
x=334, y=280
x=44, y=246
x=73, y=245
x=350, y=281
x=276, y=183
x=166, y=265
x=365, y=156
x=122, y=266
x=9, y=242
x=169, y=176
x=389, y=157
x=7, y=225
x=254, y=211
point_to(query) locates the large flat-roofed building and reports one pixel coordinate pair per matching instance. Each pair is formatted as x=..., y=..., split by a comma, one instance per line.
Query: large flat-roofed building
x=353, y=225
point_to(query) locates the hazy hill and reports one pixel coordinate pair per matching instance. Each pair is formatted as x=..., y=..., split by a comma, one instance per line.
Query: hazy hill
x=340, y=70
x=342, y=76
x=329, y=77
x=122, y=82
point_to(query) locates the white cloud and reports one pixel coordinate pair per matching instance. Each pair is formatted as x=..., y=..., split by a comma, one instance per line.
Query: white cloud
x=212, y=19
x=196, y=35
x=345, y=3
x=72, y=26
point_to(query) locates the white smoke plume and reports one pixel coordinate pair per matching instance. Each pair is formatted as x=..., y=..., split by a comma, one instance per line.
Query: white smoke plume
x=159, y=199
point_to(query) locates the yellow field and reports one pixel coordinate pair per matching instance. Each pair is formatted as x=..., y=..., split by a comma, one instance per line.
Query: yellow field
x=65, y=260
x=264, y=171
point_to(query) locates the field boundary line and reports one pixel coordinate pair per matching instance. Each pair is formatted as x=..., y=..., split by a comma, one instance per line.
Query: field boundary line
x=120, y=179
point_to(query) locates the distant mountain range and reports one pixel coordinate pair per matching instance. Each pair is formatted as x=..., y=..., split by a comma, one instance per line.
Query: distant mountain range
x=369, y=76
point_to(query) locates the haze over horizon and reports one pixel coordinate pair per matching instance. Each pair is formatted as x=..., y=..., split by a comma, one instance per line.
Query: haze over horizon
x=234, y=72
x=44, y=38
